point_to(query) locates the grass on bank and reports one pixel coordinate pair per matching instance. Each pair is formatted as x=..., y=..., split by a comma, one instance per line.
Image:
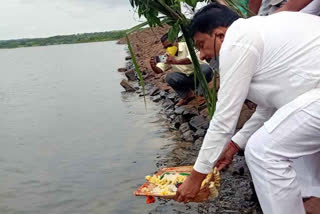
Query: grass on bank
x=64, y=39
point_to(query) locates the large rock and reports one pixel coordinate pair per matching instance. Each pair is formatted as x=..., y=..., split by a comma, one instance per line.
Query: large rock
x=188, y=136
x=178, y=120
x=156, y=98
x=172, y=96
x=190, y=112
x=163, y=93
x=129, y=65
x=167, y=103
x=199, y=122
x=169, y=113
x=179, y=110
x=131, y=75
x=199, y=133
x=127, y=86
x=122, y=69
x=184, y=127
x=205, y=112
x=154, y=91
x=197, y=144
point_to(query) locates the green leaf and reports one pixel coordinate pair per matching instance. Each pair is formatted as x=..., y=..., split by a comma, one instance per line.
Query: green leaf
x=194, y=3
x=173, y=32
x=138, y=27
x=134, y=61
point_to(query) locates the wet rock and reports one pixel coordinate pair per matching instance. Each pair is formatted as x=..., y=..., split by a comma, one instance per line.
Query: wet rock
x=197, y=144
x=131, y=75
x=188, y=136
x=172, y=116
x=203, y=106
x=129, y=65
x=125, y=84
x=156, y=98
x=179, y=110
x=154, y=91
x=172, y=96
x=199, y=133
x=141, y=94
x=122, y=69
x=205, y=112
x=128, y=58
x=148, y=87
x=167, y=103
x=178, y=120
x=163, y=93
x=190, y=112
x=139, y=91
x=199, y=122
x=184, y=127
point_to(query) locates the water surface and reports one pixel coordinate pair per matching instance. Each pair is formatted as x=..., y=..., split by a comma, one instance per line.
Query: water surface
x=71, y=142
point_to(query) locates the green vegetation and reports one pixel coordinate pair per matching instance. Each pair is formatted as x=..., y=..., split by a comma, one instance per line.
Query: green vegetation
x=67, y=39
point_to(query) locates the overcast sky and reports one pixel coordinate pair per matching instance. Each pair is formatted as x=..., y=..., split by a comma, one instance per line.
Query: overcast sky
x=43, y=18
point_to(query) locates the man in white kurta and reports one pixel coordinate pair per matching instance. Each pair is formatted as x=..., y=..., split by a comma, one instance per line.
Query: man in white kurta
x=273, y=61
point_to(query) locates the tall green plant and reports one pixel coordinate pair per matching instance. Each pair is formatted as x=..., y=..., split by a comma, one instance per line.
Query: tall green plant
x=170, y=11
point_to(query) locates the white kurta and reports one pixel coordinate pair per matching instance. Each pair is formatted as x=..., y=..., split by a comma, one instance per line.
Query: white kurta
x=271, y=61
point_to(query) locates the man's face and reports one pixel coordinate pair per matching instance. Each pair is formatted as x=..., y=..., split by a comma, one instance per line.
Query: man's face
x=166, y=44
x=209, y=44
x=205, y=44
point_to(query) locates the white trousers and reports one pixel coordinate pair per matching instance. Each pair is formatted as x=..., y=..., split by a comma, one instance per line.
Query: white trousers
x=285, y=163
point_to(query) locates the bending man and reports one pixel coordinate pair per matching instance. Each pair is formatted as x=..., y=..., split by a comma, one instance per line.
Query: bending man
x=276, y=65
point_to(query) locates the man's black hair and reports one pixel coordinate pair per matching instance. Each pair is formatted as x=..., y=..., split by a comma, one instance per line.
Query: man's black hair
x=210, y=17
x=164, y=38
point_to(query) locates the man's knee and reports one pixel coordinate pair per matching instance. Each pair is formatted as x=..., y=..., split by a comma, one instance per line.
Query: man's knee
x=207, y=71
x=170, y=79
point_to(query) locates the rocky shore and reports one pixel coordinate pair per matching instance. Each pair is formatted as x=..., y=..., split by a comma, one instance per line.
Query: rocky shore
x=190, y=122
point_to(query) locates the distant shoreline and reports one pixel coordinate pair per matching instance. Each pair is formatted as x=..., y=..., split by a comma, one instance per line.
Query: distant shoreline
x=64, y=39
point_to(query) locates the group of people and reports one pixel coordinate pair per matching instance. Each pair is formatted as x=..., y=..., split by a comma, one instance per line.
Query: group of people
x=273, y=61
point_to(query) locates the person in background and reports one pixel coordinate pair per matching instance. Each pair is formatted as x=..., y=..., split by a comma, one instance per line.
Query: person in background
x=181, y=75
x=267, y=7
x=279, y=71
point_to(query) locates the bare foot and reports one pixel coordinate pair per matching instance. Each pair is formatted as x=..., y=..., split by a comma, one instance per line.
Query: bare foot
x=186, y=100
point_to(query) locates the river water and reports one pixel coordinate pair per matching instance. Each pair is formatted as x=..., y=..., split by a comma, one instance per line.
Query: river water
x=70, y=141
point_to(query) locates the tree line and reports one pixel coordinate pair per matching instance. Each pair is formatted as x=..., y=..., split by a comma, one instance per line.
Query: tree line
x=64, y=39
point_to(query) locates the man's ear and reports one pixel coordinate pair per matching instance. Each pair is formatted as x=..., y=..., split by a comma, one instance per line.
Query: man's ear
x=220, y=33
x=221, y=36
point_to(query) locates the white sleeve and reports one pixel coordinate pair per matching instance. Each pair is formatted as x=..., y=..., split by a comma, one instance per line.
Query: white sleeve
x=260, y=116
x=238, y=63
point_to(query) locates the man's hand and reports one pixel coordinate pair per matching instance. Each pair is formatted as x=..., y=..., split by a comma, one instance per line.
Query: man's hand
x=227, y=156
x=171, y=60
x=190, y=187
x=153, y=64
